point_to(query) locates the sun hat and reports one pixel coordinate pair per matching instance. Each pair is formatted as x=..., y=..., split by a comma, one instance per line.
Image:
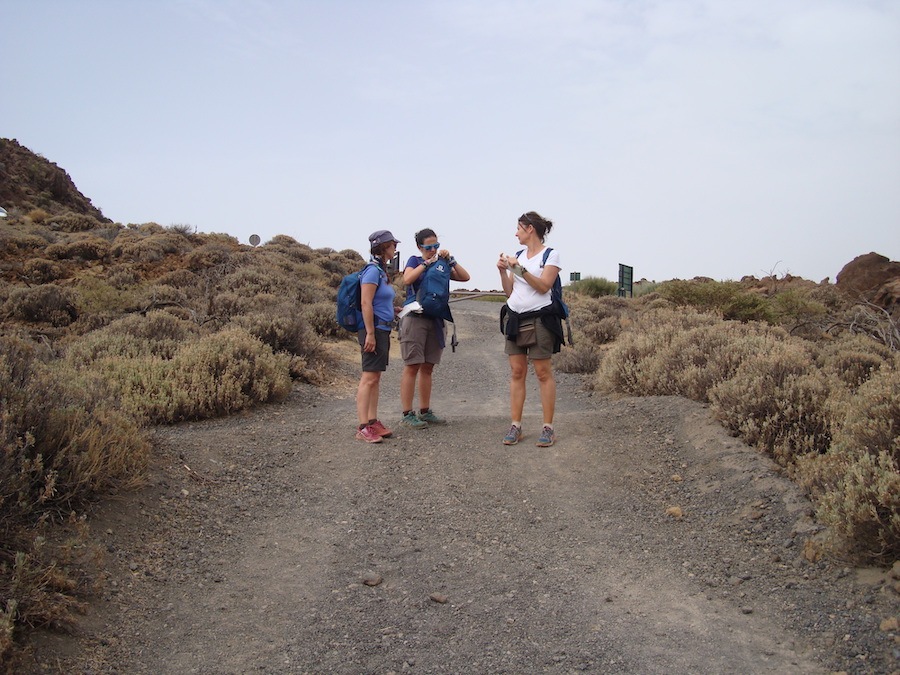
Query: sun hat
x=381, y=237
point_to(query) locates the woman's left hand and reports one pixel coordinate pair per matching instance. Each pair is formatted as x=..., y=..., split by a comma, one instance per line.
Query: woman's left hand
x=444, y=253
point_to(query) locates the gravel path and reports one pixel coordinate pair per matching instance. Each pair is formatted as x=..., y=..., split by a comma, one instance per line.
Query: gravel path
x=275, y=542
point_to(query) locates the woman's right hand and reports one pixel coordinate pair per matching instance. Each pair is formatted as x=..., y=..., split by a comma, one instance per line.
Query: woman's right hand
x=369, y=346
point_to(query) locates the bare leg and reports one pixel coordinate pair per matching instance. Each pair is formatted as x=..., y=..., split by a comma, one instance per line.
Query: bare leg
x=367, y=397
x=518, y=365
x=544, y=371
x=408, y=385
x=425, y=380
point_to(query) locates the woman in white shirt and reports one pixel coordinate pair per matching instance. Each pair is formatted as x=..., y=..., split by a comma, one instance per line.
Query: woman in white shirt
x=530, y=321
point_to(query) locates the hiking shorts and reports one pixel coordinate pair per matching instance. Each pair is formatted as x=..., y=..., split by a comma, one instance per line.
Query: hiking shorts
x=544, y=347
x=419, y=341
x=377, y=361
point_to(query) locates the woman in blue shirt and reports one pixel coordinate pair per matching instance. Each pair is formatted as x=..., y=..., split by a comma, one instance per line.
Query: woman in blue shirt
x=422, y=337
x=374, y=335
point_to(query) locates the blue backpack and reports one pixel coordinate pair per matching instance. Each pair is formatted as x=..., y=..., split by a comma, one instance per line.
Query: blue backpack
x=349, y=301
x=434, y=291
x=562, y=309
x=434, y=294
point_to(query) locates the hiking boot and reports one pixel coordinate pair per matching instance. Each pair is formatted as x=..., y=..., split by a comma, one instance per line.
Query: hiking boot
x=412, y=421
x=368, y=434
x=548, y=437
x=380, y=429
x=513, y=436
x=429, y=417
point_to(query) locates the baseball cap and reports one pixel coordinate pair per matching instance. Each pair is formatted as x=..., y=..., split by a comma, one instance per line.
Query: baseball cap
x=381, y=237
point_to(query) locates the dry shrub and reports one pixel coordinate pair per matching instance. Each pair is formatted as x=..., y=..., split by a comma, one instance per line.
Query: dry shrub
x=853, y=359
x=207, y=256
x=340, y=264
x=776, y=401
x=156, y=335
x=83, y=248
x=157, y=295
x=229, y=371
x=321, y=318
x=291, y=249
x=857, y=496
x=74, y=222
x=624, y=366
x=63, y=443
x=283, y=330
x=13, y=242
x=215, y=376
x=96, y=295
x=601, y=332
x=147, y=228
x=697, y=359
x=870, y=420
x=149, y=248
x=582, y=358
x=180, y=279
x=42, y=271
x=123, y=276
x=37, y=215
x=47, y=303
x=598, y=320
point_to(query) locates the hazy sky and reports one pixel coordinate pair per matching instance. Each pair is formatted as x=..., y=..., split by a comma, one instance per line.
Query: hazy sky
x=682, y=137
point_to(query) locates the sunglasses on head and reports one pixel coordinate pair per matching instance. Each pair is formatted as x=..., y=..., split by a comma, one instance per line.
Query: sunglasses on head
x=525, y=219
x=431, y=247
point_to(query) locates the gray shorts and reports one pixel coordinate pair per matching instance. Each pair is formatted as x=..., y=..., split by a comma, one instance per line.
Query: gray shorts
x=377, y=361
x=545, y=342
x=419, y=340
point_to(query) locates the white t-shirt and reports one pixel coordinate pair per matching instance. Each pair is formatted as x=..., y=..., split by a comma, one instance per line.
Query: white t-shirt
x=523, y=297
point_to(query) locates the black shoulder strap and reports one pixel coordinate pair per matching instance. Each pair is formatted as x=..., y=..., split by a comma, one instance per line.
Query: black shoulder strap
x=546, y=255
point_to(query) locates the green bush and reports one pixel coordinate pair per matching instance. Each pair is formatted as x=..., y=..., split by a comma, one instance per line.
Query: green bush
x=593, y=287
x=727, y=299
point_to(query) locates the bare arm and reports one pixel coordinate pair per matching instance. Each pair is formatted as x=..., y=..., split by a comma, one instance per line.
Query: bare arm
x=367, y=298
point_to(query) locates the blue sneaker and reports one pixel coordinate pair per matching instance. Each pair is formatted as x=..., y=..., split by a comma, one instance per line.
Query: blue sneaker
x=412, y=421
x=548, y=437
x=513, y=436
x=430, y=418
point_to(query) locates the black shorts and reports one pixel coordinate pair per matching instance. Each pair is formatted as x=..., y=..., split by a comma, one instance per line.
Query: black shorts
x=377, y=361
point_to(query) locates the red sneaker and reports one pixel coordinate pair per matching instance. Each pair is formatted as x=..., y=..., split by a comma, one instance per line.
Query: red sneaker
x=368, y=434
x=380, y=429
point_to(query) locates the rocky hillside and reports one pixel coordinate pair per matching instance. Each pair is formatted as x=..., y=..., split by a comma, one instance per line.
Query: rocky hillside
x=29, y=182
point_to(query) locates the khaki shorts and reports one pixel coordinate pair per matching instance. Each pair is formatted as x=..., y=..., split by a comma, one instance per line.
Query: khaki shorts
x=544, y=347
x=419, y=339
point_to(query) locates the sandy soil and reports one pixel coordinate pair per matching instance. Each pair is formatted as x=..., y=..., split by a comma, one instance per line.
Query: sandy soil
x=275, y=542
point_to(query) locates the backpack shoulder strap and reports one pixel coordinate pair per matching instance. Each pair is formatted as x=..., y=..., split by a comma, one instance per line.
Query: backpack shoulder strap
x=546, y=255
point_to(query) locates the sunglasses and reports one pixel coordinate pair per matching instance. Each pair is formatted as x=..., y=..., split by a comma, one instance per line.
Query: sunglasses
x=431, y=247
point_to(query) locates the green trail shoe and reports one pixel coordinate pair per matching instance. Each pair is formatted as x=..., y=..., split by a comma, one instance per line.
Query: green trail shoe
x=429, y=417
x=412, y=421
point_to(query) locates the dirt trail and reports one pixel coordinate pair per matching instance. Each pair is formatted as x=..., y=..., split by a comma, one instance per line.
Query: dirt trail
x=251, y=550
